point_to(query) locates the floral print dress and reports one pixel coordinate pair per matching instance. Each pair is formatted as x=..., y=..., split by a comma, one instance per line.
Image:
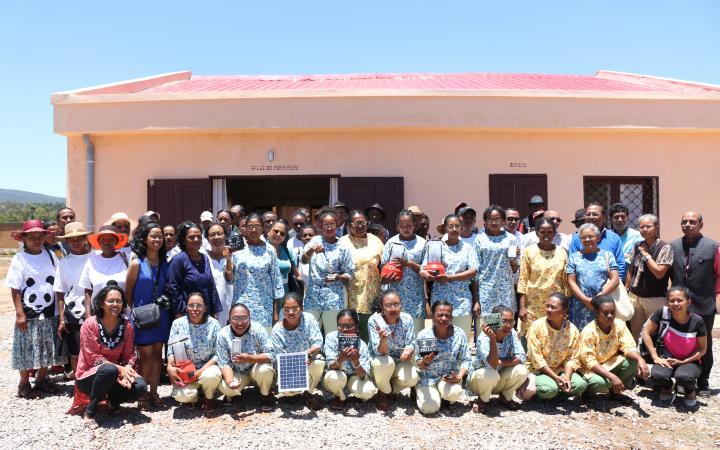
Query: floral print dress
x=542, y=272
x=591, y=273
x=456, y=258
x=495, y=275
x=258, y=281
x=322, y=295
x=364, y=287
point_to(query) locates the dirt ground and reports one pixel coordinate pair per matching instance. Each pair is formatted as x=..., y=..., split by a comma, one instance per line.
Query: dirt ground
x=6, y=303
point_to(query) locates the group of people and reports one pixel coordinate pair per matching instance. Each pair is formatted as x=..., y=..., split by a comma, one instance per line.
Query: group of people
x=213, y=303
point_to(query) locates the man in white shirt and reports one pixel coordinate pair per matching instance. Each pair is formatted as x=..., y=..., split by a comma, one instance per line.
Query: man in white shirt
x=560, y=239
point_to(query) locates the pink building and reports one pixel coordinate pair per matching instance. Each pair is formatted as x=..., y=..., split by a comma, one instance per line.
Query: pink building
x=179, y=143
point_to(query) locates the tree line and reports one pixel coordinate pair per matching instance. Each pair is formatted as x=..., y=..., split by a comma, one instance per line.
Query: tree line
x=20, y=212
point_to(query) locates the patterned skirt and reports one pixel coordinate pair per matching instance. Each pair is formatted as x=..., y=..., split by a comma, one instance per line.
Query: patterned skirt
x=35, y=347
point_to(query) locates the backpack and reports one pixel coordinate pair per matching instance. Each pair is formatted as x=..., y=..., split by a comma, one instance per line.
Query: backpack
x=657, y=338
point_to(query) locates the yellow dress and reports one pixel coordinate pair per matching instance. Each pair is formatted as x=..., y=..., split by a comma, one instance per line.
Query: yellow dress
x=364, y=287
x=541, y=273
x=597, y=347
x=552, y=348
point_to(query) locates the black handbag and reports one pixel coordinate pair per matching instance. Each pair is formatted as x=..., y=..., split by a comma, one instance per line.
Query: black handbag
x=147, y=317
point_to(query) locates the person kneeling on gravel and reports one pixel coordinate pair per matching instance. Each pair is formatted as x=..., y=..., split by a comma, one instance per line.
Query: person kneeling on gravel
x=192, y=355
x=245, y=356
x=441, y=371
x=348, y=362
x=608, y=353
x=392, y=344
x=499, y=363
x=298, y=331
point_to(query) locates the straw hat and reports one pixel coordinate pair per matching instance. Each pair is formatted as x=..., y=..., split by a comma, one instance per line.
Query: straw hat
x=74, y=229
x=30, y=226
x=111, y=230
x=121, y=217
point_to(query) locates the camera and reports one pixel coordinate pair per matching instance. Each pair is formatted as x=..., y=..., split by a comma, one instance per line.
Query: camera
x=163, y=301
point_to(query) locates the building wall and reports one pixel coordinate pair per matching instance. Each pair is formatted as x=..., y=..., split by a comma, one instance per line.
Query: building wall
x=441, y=168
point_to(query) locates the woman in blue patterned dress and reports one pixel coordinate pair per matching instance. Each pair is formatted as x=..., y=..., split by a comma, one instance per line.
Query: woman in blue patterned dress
x=460, y=261
x=258, y=282
x=496, y=251
x=331, y=267
x=199, y=331
x=442, y=373
x=590, y=272
x=411, y=288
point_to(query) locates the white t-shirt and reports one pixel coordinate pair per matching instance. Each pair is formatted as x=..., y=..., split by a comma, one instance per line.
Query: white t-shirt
x=67, y=279
x=470, y=240
x=99, y=270
x=34, y=276
x=294, y=244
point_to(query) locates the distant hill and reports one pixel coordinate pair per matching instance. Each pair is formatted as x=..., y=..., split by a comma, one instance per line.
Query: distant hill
x=12, y=195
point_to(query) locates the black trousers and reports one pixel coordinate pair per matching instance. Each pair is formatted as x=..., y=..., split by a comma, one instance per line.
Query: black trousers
x=104, y=384
x=707, y=360
x=685, y=375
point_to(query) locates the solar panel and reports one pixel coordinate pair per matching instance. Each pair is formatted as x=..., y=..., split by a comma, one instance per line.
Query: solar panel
x=292, y=372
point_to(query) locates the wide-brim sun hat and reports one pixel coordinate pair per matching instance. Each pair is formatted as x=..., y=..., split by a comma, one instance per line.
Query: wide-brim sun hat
x=29, y=226
x=105, y=230
x=121, y=217
x=74, y=229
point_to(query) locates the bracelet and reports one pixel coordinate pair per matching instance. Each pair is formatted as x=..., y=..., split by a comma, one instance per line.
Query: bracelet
x=356, y=367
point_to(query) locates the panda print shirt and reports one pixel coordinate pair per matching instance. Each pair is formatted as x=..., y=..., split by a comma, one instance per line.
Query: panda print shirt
x=67, y=281
x=34, y=276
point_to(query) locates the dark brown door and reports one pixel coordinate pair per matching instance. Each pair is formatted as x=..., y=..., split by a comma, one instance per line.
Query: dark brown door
x=179, y=200
x=515, y=190
x=361, y=192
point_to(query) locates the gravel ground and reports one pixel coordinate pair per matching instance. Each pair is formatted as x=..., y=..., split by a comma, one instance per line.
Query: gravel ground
x=43, y=423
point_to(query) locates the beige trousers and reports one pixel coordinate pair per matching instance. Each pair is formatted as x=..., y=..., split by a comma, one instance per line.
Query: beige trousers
x=262, y=375
x=644, y=308
x=336, y=381
x=209, y=381
x=486, y=381
x=429, y=397
x=391, y=376
x=327, y=319
x=315, y=371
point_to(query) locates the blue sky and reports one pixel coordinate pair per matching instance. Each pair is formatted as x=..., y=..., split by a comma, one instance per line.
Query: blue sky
x=54, y=46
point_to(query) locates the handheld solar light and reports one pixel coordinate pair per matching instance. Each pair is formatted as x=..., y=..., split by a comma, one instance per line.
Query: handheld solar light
x=393, y=270
x=434, y=251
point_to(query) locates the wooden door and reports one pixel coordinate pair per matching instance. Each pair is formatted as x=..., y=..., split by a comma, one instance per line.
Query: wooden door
x=515, y=190
x=178, y=200
x=361, y=192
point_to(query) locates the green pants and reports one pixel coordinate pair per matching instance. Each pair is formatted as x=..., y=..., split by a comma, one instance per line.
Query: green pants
x=547, y=388
x=597, y=384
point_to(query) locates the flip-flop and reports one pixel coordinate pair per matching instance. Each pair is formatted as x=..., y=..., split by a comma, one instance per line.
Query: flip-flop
x=25, y=391
x=478, y=407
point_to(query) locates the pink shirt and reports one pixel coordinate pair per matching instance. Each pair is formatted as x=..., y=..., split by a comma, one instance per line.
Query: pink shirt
x=93, y=354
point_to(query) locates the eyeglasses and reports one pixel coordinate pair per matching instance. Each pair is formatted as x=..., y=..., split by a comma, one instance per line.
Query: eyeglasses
x=494, y=221
x=513, y=219
x=292, y=310
x=453, y=227
x=360, y=224
x=216, y=234
x=554, y=219
x=280, y=233
x=328, y=226
x=113, y=302
x=508, y=321
x=392, y=306
x=689, y=222
x=346, y=327
x=240, y=319
x=196, y=306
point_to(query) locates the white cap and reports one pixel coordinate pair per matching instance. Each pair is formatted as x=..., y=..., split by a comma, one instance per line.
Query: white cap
x=206, y=215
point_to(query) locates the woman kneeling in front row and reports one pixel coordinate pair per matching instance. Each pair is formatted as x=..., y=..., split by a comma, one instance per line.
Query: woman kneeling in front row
x=198, y=332
x=348, y=368
x=245, y=356
x=107, y=353
x=608, y=352
x=442, y=373
x=392, y=343
x=553, y=351
x=499, y=363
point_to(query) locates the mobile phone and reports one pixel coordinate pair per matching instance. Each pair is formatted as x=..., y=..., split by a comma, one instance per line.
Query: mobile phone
x=236, y=346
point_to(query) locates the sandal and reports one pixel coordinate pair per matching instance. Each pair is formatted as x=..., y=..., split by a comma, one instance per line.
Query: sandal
x=144, y=403
x=382, y=401
x=25, y=391
x=337, y=404
x=510, y=404
x=312, y=402
x=45, y=386
x=478, y=407
x=267, y=403
x=155, y=399
x=208, y=405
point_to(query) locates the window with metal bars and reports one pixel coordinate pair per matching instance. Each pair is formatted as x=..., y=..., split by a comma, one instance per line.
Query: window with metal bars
x=639, y=194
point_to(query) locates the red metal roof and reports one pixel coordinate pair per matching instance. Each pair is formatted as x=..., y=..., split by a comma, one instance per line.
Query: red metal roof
x=422, y=81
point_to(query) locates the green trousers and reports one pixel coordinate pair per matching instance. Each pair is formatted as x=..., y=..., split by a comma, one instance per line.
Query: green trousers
x=364, y=334
x=547, y=388
x=597, y=384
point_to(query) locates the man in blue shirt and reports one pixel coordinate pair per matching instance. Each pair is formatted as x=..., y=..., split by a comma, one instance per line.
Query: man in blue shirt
x=609, y=240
